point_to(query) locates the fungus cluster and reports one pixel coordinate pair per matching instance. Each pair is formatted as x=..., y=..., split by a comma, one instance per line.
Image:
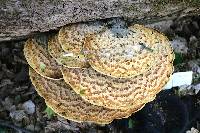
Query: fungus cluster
x=100, y=71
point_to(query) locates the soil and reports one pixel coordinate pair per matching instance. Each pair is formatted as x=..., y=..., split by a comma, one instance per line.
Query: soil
x=170, y=112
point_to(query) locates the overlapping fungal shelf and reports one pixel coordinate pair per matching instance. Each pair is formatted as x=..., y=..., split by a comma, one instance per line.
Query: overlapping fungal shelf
x=100, y=71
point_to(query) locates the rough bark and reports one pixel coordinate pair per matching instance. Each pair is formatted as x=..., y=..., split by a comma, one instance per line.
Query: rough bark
x=21, y=18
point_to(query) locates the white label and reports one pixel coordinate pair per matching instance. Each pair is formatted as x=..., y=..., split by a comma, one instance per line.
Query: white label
x=179, y=79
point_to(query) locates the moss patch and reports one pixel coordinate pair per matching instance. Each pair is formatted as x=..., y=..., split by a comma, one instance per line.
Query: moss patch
x=161, y=3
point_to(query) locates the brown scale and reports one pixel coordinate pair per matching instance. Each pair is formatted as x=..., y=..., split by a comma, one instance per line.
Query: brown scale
x=149, y=83
x=38, y=58
x=71, y=37
x=56, y=51
x=122, y=96
x=120, y=69
x=64, y=101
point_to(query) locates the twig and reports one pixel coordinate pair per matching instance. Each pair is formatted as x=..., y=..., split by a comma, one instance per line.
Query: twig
x=9, y=125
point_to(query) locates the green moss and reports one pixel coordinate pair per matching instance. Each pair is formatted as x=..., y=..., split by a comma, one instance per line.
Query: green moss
x=196, y=78
x=131, y=123
x=82, y=92
x=195, y=3
x=160, y=4
x=42, y=66
x=3, y=130
x=50, y=113
x=178, y=58
x=130, y=8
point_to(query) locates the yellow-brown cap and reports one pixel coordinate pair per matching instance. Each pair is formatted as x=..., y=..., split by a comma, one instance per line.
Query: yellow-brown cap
x=39, y=59
x=124, y=52
x=64, y=101
x=123, y=93
x=68, y=59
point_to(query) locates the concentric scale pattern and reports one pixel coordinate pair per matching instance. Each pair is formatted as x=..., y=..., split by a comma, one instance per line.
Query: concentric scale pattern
x=64, y=101
x=66, y=59
x=109, y=69
x=39, y=59
x=122, y=52
x=71, y=37
x=121, y=93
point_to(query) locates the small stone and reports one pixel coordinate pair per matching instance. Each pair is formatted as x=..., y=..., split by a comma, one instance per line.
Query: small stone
x=8, y=104
x=21, y=88
x=197, y=88
x=186, y=90
x=162, y=26
x=194, y=65
x=29, y=107
x=33, y=128
x=194, y=47
x=5, y=82
x=12, y=108
x=7, y=73
x=18, y=115
x=192, y=40
x=8, y=101
x=193, y=130
x=185, y=87
x=189, y=89
x=179, y=45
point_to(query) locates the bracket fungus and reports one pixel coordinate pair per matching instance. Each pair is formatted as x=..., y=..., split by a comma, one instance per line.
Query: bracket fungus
x=124, y=52
x=39, y=59
x=71, y=39
x=63, y=100
x=67, y=59
x=111, y=71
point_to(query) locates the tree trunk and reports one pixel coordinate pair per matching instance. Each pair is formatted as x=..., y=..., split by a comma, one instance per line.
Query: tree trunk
x=22, y=18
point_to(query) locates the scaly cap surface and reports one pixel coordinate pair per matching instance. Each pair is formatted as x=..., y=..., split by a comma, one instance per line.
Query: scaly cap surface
x=71, y=37
x=123, y=93
x=64, y=101
x=68, y=59
x=39, y=59
x=123, y=52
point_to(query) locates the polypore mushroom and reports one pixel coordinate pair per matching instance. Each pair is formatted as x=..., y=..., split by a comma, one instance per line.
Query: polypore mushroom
x=123, y=52
x=39, y=59
x=126, y=93
x=64, y=101
x=129, y=66
x=63, y=58
x=71, y=38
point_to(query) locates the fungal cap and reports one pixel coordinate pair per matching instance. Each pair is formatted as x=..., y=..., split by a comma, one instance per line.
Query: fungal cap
x=65, y=102
x=71, y=37
x=121, y=52
x=67, y=59
x=124, y=93
x=39, y=59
